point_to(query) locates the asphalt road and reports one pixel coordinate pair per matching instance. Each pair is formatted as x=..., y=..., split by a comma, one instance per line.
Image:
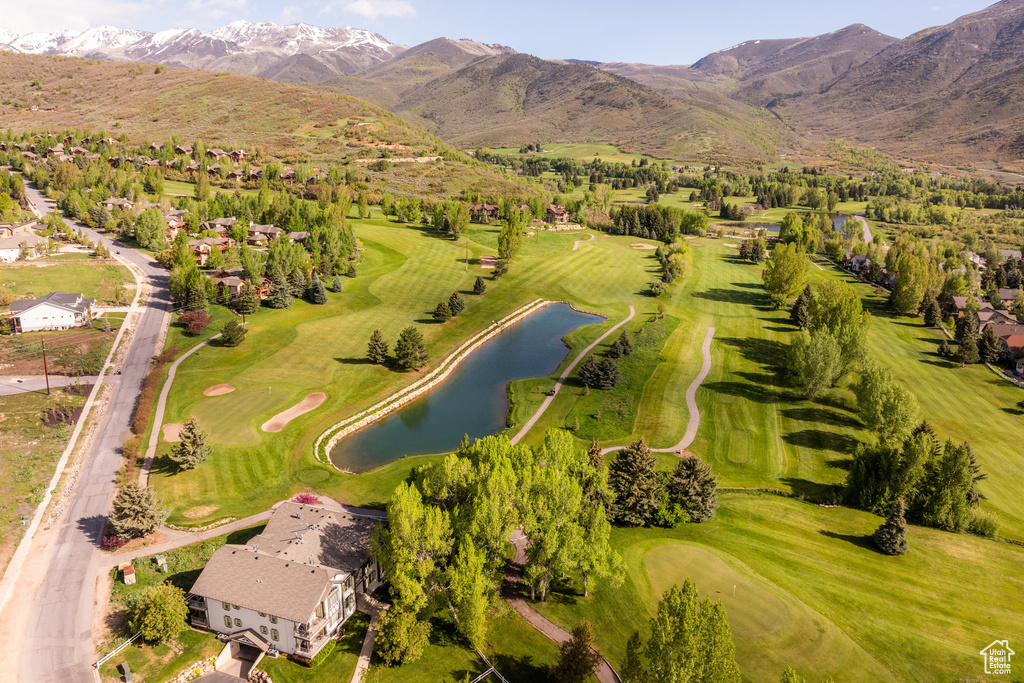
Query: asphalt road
x=58, y=643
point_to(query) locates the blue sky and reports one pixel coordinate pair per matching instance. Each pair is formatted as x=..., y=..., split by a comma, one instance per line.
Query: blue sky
x=658, y=31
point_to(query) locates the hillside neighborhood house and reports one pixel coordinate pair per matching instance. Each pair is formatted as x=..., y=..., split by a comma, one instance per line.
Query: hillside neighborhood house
x=55, y=311
x=294, y=586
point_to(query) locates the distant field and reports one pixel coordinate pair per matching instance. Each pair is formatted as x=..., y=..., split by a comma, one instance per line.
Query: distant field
x=94, y=279
x=582, y=151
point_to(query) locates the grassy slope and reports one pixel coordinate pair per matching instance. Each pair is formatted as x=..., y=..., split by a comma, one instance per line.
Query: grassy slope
x=813, y=593
x=226, y=110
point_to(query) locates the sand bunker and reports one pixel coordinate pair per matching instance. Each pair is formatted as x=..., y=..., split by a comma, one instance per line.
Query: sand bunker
x=488, y=262
x=734, y=246
x=279, y=421
x=642, y=245
x=171, y=431
x=219, y=390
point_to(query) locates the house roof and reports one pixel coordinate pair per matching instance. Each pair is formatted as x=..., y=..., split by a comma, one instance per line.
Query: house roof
x=302, y=532
x=1007, y=294
x=65, y=300
x=258, y=581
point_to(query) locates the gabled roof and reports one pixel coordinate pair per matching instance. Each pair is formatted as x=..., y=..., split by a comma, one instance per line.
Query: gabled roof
x=287, y=589
x=64, y=300
x=303, y=532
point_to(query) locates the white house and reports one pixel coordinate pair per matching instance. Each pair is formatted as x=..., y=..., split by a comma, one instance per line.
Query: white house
x=12, y=247
x=294, y=585
x=55, y=311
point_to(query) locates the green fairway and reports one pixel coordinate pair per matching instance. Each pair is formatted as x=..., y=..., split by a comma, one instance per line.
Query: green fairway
x=812, y=592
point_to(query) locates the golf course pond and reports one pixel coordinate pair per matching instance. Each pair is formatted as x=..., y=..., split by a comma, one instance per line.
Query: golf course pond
x=473, y=400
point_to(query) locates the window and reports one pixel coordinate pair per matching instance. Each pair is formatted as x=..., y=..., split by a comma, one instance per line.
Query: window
x=238, y=622
x=348, y=584
x=227, y=607
x=273, y=619
x=227, y=621
x=263, y=614
x=263, y=630
x=350, y=604
x=320, y=610
x=236, y=607
x=274, y=634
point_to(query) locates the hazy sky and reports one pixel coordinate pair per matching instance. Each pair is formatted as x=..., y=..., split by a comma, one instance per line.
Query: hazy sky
x=658, y=31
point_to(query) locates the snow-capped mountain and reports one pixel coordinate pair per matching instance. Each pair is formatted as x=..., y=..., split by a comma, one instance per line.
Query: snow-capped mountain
x=297, y=52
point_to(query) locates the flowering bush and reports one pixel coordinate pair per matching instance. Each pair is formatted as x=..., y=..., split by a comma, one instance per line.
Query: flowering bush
x=306, y=499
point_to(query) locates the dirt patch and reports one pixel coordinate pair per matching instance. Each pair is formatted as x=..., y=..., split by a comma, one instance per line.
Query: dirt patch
x=729, y=244
x=155, y=538
x=171, y=432
x=279, y=421
x=63, y=415
x=643, y=245
x=200, y=511
x=219, y=390
x=488, y=262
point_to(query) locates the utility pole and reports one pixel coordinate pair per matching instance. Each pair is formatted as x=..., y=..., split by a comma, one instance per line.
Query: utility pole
x=46, y=372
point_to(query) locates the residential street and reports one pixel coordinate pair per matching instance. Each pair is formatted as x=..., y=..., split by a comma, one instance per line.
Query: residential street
x=57, y=636
x=10, y=386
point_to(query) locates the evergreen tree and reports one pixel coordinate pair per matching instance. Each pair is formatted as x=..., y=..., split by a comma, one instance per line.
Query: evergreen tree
x=137, y=512
x=967, y=354
x=456, y=304
x=248, y=300
x=944, y=350
x=635, y=484
x=891, y=537
x=410, y=350
x=336, y=286
x=195, y=297
x=623, y=346
x=316, y=293
x=577, y=658
x=800, y=313
x=588, y=373
x=299, y=283
x=966, y=326
x=194, y=447
x=280, y=295
x=990, y=346
x=232, y=334
x=442, y=313
x=608, y=373
x=479, y=286
x=932, y=313
x=377, y=349
x=693, y=485
x=351, y=272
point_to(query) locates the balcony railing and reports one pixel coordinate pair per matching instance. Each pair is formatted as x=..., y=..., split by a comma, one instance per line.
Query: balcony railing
x=200, y=620
x=314, y=645
x=197, y=602
x=303, y=630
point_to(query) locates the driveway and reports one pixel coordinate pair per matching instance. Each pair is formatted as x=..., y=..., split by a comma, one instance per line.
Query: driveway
x=57, y=639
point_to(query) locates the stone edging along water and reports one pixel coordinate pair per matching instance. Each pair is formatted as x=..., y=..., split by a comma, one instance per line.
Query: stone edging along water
x=340, y=430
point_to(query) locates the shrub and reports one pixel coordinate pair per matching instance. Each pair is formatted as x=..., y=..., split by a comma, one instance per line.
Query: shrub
x=132, y=447
x=195, y=322
x=306, y=498
x=983, y=524
x=147, y=398
x=160, y=613
x=658, y=288
x=323, y=654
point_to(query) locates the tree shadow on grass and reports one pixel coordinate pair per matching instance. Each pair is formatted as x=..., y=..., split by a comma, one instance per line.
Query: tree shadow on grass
x=940, y=363
x=780, y=329
x=755, y=299
x=844, y=464
x=860, y=540
x=751, y=392
x=355, y=361
x=817, y=439
x=521, y=668
x=822, y=416
x=765, y=351
x=812, y=490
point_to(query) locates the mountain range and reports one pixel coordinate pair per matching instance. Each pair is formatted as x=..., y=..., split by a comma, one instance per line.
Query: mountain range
x=951, y=92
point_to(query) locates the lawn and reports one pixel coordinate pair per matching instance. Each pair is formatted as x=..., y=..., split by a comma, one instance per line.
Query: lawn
x=517, y=650
x=812, y=592
x=160, y=662
x=94, y=279
x=337, y=666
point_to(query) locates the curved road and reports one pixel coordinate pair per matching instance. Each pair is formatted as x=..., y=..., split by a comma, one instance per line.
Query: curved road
x=693, y=424
x=57, y=636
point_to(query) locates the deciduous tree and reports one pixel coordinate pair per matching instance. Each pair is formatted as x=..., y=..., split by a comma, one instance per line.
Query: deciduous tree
x=159, y=613
x=577, y=658
x=784, y=273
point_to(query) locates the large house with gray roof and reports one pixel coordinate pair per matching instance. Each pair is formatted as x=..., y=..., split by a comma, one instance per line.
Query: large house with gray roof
x=55, y=311
x=294, y=585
